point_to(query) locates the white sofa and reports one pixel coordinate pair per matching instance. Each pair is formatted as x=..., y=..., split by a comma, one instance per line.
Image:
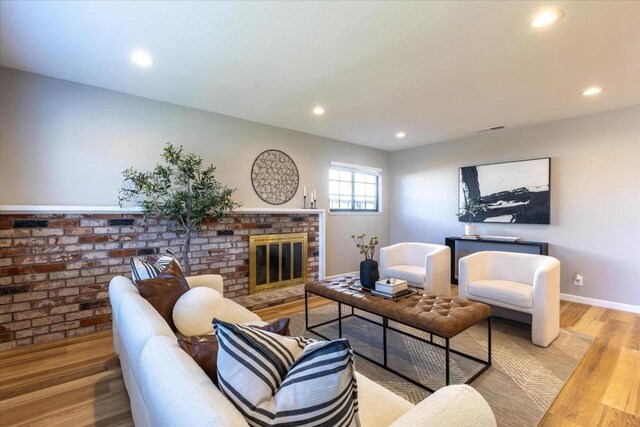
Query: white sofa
x=520, y=283
x=424, y=265
x=167, y=388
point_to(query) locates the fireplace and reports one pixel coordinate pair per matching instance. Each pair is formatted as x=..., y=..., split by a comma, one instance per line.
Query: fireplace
x=99, y=243
x=276, y=261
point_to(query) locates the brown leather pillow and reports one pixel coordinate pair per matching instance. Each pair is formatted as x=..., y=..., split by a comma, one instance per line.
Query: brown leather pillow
x=163, y=291
x=204, y=348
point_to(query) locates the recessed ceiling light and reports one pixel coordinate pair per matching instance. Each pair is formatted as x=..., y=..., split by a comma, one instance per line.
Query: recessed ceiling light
x=318, y=111
x=400, y=135
x=593, y=90
x=547, y=17
x=142, y=59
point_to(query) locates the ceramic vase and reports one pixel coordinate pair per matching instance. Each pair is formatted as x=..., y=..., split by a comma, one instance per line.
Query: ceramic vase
x=369, y=273
x=470, y=229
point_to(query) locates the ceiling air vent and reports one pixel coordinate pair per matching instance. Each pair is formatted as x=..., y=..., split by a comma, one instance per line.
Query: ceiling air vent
x=490, y=129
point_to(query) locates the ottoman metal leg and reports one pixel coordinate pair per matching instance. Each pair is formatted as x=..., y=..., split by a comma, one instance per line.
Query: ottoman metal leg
x=447, y=356
x=339, y=320
x=306, y=310
x=385, y=324
x=489, y=340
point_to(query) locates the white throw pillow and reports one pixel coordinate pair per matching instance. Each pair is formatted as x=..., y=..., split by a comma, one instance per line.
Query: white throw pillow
x=274, y=380
x=195, y=310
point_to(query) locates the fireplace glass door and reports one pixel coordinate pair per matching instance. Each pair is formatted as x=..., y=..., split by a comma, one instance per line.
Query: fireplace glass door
x=276, y=261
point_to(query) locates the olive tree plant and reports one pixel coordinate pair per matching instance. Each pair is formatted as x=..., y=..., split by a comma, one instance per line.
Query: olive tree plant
x=180, y=190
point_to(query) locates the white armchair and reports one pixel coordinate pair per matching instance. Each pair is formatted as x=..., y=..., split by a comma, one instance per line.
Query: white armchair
x=421, y=264
x=521, y=282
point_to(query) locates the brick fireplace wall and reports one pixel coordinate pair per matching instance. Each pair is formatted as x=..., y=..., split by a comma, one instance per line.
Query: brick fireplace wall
x=55, y=268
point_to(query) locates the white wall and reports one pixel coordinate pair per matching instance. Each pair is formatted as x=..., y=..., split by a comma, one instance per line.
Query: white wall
x=595, y=196
x=63, y=143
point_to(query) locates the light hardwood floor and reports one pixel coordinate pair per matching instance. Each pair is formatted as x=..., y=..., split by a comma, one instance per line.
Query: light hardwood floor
x=78, y=382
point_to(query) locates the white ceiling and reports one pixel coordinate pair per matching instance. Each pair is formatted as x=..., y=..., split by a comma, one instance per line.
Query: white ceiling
x=436, y=70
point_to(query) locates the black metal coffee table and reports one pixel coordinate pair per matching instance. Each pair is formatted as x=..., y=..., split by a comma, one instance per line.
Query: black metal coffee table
x=444, y=317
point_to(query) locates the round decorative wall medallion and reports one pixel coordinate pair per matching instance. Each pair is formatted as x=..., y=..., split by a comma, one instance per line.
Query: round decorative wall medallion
x=274, y=177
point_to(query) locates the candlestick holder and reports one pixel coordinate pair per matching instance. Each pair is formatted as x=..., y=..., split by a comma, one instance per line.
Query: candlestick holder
x=304, y=206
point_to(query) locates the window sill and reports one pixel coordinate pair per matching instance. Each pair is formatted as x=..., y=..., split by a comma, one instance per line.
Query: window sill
x=354, y=213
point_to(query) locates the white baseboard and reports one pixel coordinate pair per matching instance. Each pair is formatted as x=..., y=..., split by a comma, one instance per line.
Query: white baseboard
x=601, y=303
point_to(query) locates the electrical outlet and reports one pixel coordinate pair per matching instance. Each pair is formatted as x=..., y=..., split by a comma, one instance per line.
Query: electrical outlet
x=578, y=280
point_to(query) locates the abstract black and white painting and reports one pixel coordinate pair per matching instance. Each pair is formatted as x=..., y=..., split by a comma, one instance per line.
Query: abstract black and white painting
x=512, y=192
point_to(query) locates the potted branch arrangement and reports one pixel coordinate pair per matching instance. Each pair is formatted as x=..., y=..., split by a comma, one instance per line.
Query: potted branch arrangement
x=182, y=191
x=369, y=273
x=471, y=208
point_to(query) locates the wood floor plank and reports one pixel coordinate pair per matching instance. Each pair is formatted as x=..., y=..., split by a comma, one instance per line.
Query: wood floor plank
x=590, y=322
x=571, y=313
x=584, y=403
x=288, y=309
x=633, y=335
x=611, y=417
x=579, y=402
x=78, y=382
x=552, y=419
x=623, y=390
x=81, y=340
x=41, y=404
x=52, y=371
x=36, y=368
x=106, y=409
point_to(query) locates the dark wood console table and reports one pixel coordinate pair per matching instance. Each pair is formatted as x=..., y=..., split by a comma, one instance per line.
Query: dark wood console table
x=539, y=248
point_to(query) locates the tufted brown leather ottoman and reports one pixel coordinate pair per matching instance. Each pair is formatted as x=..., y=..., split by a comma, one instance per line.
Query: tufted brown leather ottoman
x=442, y=316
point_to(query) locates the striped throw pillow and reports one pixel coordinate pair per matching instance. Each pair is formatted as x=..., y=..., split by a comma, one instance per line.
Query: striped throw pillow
x=284, y=381
x=142, y=270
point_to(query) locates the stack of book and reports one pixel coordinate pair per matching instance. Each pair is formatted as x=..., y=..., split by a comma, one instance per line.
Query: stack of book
x=391, y=288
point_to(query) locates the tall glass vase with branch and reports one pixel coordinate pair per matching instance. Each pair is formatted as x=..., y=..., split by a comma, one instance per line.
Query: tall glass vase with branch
x=180, y=190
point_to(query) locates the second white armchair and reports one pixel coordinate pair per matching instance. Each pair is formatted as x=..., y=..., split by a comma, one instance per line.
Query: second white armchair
x=421, y=264
x=517, y=282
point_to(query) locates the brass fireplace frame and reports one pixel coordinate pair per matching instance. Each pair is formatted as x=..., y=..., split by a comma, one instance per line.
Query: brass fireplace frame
x=279, y=239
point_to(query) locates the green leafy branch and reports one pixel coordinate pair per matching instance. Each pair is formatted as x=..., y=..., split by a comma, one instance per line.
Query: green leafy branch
x=180, y=190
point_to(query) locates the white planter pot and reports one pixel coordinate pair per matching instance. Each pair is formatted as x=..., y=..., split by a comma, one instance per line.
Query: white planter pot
x=470, y=229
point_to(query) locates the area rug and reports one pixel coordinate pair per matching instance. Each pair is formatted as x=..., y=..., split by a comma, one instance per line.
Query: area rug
x=520, y=386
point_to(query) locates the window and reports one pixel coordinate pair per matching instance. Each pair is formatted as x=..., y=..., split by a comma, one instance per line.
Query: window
x=353, y=188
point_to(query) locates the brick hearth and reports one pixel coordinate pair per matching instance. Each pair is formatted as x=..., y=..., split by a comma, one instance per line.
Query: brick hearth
x=55, y=268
